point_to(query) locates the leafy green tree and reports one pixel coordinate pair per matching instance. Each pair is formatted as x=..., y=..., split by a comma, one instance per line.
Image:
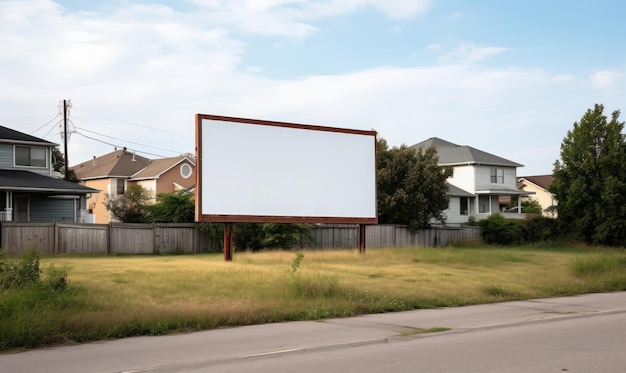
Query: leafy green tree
x=132, y=206
x=411, y=186
x=58, y=164
x=174, y=207
x=590, y=179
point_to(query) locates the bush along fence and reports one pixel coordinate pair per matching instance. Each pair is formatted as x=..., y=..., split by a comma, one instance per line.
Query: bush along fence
x=189, y=238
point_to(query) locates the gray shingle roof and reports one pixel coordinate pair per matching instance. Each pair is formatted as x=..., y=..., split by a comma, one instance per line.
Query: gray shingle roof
x=9, y=135
x=451, y=154
x=32, y=182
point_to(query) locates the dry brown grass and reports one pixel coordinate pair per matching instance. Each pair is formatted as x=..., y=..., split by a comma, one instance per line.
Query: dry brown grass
x=131, y=295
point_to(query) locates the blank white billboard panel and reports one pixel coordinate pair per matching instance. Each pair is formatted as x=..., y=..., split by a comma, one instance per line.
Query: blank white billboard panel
x=251, y=170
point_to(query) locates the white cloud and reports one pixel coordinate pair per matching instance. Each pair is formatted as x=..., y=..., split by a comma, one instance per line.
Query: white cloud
x=468, y=53
x=606, y=79
x=156, y=66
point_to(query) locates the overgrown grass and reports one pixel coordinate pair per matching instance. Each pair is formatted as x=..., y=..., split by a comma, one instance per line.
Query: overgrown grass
x=114, y=297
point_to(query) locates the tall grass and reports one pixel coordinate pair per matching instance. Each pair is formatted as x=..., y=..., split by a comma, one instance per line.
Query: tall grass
x=113, y=297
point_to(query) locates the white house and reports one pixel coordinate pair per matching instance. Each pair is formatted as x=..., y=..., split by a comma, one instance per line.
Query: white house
x=481, y=183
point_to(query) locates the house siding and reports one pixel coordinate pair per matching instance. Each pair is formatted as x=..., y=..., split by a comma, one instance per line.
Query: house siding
x=97, y=200
x=44, y=210
x=463, y=177
x=545, y=198
x=167, y=180
x=483, y=178
x=7, y=163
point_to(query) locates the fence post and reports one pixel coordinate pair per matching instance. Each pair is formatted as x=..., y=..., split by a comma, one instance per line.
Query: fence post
x=55, y=238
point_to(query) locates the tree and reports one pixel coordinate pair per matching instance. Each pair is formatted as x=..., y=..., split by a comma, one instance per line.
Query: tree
x=58, y=165
x=174, y=207
x=590, y=179
x=132, y=206
x=412, y=187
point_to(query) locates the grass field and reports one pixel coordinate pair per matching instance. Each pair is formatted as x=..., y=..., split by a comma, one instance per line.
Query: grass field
x=120, y=296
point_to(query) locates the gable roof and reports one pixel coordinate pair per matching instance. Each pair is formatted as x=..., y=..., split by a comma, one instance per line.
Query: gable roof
x=33, y=182
x=157, y=167
x=13, y=136
x=542, y=181
x=451, y=154
x=120, y=163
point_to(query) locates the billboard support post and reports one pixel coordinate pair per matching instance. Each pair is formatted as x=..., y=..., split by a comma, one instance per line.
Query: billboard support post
x=362, y=238
x=228, y=242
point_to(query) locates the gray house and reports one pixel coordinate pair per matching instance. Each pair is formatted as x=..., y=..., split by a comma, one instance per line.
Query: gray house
x=481, y=184
x=28, y=192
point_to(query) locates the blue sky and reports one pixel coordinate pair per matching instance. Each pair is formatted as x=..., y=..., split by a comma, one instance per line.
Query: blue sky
x=507, y=77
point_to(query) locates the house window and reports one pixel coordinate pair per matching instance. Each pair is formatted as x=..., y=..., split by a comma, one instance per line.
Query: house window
x=120, y=186
x=33, y=156
x=463, y=206
x=185, y=171
x=497, y=175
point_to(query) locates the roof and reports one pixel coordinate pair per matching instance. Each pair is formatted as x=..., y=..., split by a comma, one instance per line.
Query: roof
x=120, y=163
x=33, y=182
x=542, y=181
x=451, y=154
x=458, y=192
x=157, y=167
x=10, y=135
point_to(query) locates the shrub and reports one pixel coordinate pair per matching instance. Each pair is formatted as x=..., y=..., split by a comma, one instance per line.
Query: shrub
x=497, y=230
x=14, y=275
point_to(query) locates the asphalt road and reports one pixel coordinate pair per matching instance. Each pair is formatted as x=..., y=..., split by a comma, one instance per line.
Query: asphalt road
x=571, y=334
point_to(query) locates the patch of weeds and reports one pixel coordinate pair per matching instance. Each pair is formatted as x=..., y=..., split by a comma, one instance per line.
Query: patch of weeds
x=497, y=291
x=598, y=264
x=295, y=264
x=314, y=287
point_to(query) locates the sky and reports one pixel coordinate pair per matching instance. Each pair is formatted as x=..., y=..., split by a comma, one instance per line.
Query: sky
x=506, y=77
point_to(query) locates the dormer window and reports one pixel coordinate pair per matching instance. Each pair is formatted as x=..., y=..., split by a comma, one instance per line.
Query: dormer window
x=30, y=156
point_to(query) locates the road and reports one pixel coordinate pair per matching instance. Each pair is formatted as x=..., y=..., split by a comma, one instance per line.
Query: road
x=571, y=334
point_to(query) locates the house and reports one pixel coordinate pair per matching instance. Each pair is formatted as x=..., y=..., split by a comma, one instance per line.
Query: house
x=115, y=172
x=540, y=184
x=28, y=190
x=481, y=183
x=166, y=175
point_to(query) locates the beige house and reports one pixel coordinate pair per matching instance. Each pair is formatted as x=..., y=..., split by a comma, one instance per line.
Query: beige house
x=540, y=185
x=115, y=172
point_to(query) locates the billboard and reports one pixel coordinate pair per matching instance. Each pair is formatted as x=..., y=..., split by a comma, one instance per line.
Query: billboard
x=251, y=170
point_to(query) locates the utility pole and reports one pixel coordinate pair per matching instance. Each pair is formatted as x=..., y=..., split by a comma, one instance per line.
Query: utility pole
x=67, y=165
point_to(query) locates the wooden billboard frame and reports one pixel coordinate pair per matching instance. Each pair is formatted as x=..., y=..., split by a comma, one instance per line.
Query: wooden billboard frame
x=229, y=219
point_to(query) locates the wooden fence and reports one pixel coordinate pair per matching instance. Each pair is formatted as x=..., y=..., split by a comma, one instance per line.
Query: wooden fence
x=346, y=236
x=114, y=238
x=119, y=238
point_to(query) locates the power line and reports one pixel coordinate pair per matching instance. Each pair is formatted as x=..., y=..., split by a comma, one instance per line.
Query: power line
x=87, y=111
x=131, y=142
x=120, y=146
x=48, y=122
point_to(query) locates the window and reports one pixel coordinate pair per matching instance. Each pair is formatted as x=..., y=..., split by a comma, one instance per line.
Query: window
x=463, y=205
x=33, y=156
x=497, y=175
x=185, y=171
x=120, y=186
